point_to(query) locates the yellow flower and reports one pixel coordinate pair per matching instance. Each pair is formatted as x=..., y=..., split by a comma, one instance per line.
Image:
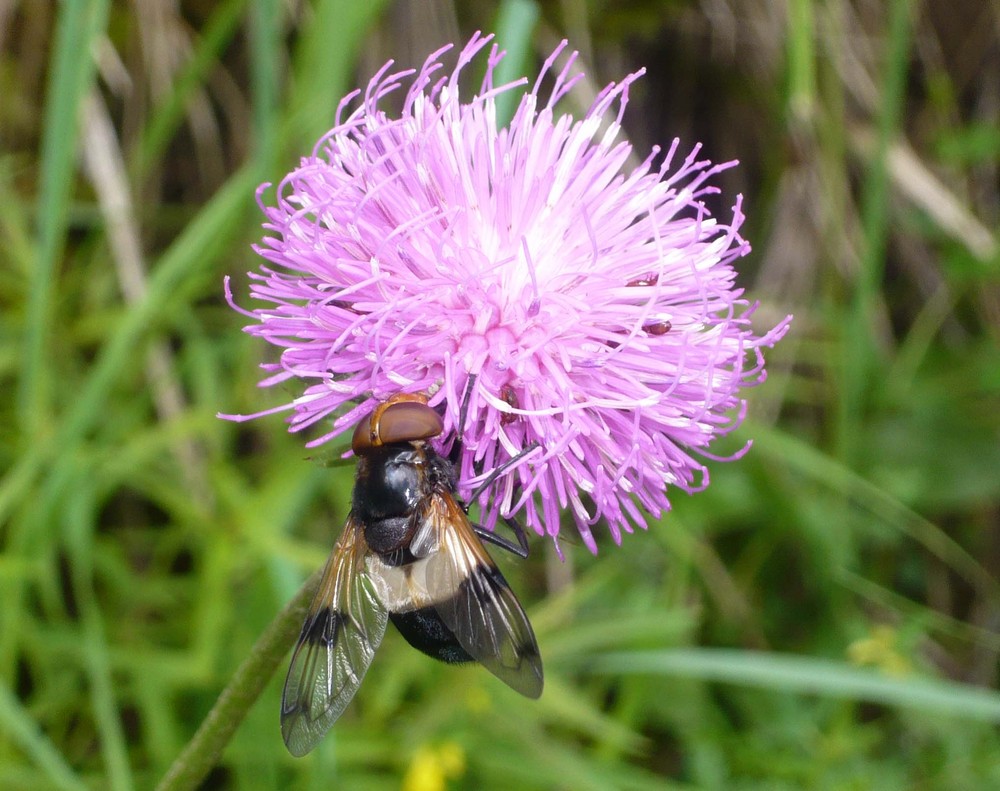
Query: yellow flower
x=881, y=650
x=432, y=767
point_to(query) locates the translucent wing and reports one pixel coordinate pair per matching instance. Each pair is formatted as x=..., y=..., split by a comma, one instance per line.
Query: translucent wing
x=474, y=600
x=345, y=625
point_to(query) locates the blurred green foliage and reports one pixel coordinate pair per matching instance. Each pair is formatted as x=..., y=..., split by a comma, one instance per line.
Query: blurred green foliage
x=825, y=615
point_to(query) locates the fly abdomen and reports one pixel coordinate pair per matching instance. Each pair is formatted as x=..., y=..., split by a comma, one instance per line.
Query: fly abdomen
x=425, y=631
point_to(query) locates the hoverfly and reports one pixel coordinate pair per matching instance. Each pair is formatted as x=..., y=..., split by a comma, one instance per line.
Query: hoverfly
x=409, y=554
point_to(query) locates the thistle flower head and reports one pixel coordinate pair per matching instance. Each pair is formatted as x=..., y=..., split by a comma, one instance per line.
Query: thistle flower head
x=589, y=305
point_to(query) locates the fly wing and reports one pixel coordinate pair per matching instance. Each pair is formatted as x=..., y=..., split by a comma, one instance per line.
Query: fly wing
x=344, y=626
x=474, y=600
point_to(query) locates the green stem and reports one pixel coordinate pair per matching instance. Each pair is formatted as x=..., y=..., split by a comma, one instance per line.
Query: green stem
x=864, y=358
x=205, y=747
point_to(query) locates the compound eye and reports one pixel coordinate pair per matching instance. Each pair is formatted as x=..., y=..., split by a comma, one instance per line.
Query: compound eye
x=407, y=421
x=403, y=418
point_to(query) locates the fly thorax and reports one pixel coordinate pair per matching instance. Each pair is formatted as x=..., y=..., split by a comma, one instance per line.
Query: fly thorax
x=390, y=483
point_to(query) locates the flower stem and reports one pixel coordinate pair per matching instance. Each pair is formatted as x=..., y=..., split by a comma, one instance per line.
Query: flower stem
x=203, y=751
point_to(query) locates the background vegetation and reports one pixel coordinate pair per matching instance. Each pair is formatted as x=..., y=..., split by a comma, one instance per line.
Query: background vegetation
x=826, y=615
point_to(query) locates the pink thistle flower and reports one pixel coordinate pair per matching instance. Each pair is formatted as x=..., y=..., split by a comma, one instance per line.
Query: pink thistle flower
x=593, y=307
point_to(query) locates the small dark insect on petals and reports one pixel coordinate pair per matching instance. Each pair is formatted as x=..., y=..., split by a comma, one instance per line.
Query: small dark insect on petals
x=509, y=397
x=657, y=327
x=348, y=306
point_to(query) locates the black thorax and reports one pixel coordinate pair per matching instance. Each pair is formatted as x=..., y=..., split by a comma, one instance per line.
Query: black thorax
x=392, y=487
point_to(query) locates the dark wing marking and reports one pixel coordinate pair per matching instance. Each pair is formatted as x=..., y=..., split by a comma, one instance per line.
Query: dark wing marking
x=344, y=626
x=474, y=600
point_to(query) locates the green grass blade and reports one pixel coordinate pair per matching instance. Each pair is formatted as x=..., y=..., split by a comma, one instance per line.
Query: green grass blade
x=213, y=228
x=785, y=673
x=245, y=686
x=801, y=61
x=838, y=477
x=25, y=731
x=327, y=52
x=219, y=30
x=858, y=368
x=77, y=28
x=267, y=48
x=80, y=518
x=515, y=28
